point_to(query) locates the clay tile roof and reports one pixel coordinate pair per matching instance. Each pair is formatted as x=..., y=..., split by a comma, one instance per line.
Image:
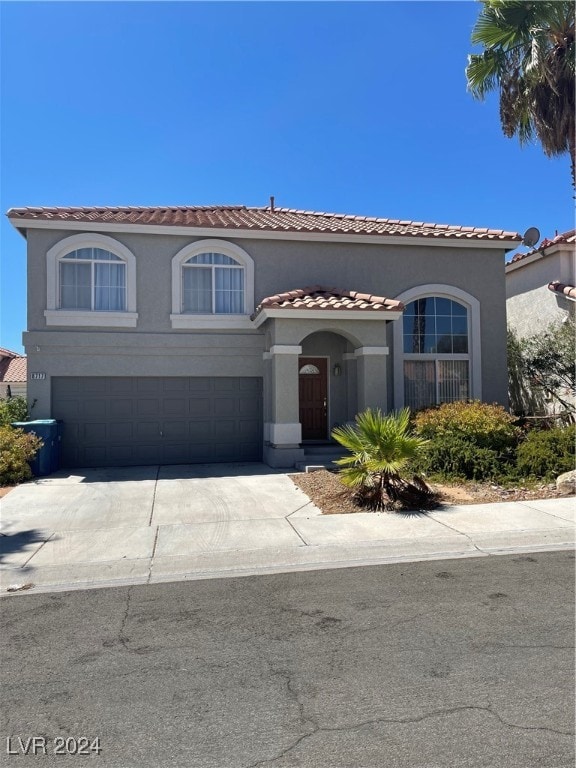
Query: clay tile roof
x=258, y=218
x=328, y=299
x=565, y=238
x=12, y=367
x=558, y=287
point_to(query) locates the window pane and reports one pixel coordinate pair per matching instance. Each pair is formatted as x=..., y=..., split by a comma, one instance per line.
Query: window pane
x=425, y=306
x=211, y=258
x=459, y=324
x=430, y=343
x=102, y=255
x=458, y=309
x=444, y=346
x=443, y=325
x=197, y=290
x=75, y=286
x=229, y=290
x=452, y=380
x=110, y=287
x=460, y=344
x=443, y=306
x=419, y=383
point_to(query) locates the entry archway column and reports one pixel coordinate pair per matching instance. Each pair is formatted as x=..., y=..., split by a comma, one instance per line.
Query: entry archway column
x=371, y=377
x=282, y=430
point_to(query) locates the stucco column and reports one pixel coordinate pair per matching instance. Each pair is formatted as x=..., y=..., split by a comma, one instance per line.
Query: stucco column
x=283, y=431
x=349, y=359
x=371, y=376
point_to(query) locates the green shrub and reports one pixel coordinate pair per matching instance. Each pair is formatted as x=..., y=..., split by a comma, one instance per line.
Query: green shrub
x=17, y=448
x=453, y=457
x=13, y=409
x=547, y=453
x=486, y=426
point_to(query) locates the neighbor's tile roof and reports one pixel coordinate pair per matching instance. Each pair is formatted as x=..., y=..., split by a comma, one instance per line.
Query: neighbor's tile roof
x=558, y=287
x=8, y=353
x=260, y=219
x=565, y=238
x=317, y=297
x=13, y=369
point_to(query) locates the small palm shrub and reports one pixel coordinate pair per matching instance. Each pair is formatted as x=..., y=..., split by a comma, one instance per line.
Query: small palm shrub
x=381, y=448
x=13, y=409
x=17, y=448
x=547, y=453
x=470, y=440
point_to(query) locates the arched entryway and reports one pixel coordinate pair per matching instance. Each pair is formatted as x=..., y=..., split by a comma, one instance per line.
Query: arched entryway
x=325, y=384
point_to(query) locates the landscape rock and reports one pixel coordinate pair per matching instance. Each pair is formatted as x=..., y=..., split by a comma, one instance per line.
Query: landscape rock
x=566, y=483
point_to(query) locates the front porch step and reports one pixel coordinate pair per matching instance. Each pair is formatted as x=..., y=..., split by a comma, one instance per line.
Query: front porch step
x=320, y=456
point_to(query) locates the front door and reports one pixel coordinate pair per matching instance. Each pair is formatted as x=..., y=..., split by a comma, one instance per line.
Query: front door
x=313, y=390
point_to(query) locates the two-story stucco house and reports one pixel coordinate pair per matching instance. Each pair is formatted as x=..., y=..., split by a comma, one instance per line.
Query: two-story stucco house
x=540, y=285
x=229, y=333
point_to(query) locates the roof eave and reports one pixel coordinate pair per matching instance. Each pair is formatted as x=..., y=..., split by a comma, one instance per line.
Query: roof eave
x=264, y=314
x=483, y=241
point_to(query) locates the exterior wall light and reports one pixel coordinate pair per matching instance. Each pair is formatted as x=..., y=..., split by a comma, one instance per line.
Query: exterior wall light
x=337, y=370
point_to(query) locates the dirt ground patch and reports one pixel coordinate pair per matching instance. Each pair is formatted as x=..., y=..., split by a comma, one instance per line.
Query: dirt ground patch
x=334, y=498
x=6, y=489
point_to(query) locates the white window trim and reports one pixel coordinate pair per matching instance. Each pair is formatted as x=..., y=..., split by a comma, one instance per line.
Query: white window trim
x=56, y=316
x=474, y=350
x=180, y=319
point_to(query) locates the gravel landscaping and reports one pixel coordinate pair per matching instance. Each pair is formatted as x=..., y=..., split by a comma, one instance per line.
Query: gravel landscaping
x=333, y=498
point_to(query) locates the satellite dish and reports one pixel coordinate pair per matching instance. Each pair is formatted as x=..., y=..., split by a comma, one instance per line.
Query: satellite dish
x=531, y=237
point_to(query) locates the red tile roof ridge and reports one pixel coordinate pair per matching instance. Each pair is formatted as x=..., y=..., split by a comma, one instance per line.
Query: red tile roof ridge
x=329, y=299
x=8, y=353
x=563, y=238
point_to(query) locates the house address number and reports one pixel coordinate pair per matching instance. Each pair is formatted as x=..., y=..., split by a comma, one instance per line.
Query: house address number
x=37, y=376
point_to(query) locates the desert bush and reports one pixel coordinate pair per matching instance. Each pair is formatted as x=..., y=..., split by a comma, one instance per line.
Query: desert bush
x=17, y=448
x=547, y=453
x=484, y=425
x=13, y=409
x=381, y=448
x=454, y=457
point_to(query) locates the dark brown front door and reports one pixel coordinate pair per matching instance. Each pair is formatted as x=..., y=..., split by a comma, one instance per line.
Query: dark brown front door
x=313, y=390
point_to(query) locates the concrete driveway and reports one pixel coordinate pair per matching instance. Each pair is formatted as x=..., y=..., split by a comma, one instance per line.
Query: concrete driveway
x=143, y=524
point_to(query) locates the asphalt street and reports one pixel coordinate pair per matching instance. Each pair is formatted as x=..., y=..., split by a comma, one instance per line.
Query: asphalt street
x=456, y=663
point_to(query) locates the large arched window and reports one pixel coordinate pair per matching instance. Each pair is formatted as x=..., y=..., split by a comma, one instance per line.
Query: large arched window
x=212, y=286
x=91, y=280
x=437, y=348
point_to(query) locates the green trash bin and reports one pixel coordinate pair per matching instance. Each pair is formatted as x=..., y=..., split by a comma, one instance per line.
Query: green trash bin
x=47, y=460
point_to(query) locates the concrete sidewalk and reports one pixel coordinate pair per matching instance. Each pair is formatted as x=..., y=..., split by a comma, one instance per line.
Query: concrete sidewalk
x=153, y=524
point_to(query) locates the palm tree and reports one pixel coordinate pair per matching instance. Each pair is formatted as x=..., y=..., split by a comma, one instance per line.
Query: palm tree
x=380, y=449
x=529, y=57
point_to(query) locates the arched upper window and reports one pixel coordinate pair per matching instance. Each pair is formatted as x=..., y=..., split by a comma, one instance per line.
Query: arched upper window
x=91, y=280
x=213, y=283
x=212, y=286
x=437, y=347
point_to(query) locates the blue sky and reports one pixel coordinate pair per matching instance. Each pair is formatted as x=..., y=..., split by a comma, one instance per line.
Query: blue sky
x=347, y=107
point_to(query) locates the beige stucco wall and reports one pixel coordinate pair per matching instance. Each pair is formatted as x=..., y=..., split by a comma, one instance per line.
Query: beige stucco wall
x=530, y=306
x=154, y=348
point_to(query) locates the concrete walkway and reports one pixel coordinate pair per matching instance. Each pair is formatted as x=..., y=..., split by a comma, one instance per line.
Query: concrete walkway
x=151, y=524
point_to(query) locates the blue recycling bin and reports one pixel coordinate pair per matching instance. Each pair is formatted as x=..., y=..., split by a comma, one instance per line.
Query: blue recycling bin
x=47, y=460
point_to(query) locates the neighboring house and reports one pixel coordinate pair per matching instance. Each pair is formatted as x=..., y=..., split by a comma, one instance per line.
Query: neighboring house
x=540, y=285
x=12, y=374
x=196, y=334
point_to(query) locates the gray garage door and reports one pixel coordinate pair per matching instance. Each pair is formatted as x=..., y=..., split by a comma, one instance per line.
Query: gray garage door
x=128, y=421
